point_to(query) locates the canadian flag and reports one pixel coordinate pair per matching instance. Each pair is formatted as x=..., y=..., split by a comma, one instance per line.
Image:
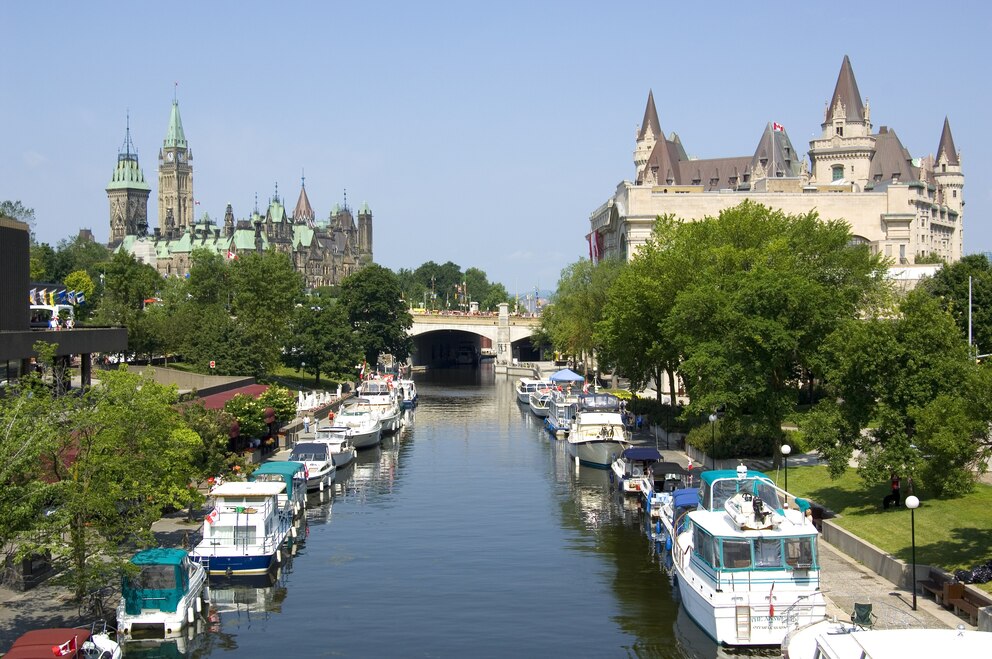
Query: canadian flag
x=231, y=255
x=771, y=604
x=66, y=648
x=212, y=517
x=778, y=128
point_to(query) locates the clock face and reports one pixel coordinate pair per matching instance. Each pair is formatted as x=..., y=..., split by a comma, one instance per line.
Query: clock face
x=169, y=156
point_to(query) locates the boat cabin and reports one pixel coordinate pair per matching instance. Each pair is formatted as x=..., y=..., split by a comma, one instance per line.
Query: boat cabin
x=294, y=474
x=599, y=403
x=164, y=577
x=245, y=529
x=724, y=548
x=719, y=486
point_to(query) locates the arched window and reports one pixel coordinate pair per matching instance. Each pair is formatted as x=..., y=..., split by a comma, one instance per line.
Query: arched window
x=858, y=240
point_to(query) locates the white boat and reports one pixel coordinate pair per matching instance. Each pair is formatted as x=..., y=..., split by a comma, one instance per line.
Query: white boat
x=380, y=396
x=73, y=642
x=364, y=428
x=293, y=501
x=744, y=585
x=598, y=434
x=561, y=412
x=336, y=438
x=829, y=639
x=538, y=402
x=243, y=533
x=407, y=393
x=632, y=467
x=167, y=593
x=319, y=464
x=526, y=386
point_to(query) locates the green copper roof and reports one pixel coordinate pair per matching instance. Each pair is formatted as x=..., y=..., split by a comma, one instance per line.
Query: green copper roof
x=244, y=240
x=128, y=175
x=175, y=137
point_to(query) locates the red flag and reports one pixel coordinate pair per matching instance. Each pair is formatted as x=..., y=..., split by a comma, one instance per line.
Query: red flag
x=66, y=648
x=212, y=517
x=771, y=604
x=231, y=255
x=777, y=127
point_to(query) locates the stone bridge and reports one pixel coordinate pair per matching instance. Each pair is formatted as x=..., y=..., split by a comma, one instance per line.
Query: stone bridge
x=439, y=338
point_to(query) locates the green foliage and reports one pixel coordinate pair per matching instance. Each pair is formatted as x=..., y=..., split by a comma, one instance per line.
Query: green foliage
x=81, y=282
x=907, y=397
x=322, y=339
x=248, y=412
x=577, y=305
x=437, y=287
x=18, y=211
x=929, y=258
x=950, y=287
x=111, y=459
x=281, y=400
x=376, y=311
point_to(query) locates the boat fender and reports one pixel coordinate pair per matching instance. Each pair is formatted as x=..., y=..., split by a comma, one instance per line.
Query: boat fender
x=199, y=604
x=190, y=615
x=321, y=484
x=292, y=531
x=668, y=544
x=658, y=526
x=278, y=556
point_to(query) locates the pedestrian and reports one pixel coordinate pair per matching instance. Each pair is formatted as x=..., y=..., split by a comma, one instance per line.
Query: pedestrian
x=895, y=497
x=640, y=421
x=306, y=423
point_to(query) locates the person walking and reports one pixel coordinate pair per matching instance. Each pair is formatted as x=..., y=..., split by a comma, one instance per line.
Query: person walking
x=306, y=423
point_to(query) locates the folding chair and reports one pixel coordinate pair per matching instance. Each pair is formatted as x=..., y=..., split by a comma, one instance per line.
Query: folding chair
x=863, y=617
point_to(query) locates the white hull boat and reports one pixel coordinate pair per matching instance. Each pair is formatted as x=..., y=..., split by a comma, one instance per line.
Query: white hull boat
x=598, y=435
x=380, y=396
x=319, y=464
x=364, y=428
x=829, y=639
x=168, y=592
x=539, y=401
x=526, y=386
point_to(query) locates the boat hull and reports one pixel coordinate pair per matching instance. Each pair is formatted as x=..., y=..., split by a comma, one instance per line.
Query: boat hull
x=236, y=565
x=344, y=458
x=391, y=421
x=368, y=439
x=597, y=453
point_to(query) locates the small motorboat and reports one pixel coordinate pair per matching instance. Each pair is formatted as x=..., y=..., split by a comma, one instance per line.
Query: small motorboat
x=166, y=594
x=632, y=465
x=319, y=463
x=73, y=643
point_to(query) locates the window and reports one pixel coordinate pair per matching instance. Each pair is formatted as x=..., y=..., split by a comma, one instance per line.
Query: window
x=837, y=171
x=839, y=130
x=954, y=193
x=736, y=554
x=902, y=253
x=767, y=553
x=799, y=552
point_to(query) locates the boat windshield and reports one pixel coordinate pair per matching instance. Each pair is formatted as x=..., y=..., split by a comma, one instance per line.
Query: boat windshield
x=309, y=452
x=764, y=553
x=715, y=496
x=154, y=577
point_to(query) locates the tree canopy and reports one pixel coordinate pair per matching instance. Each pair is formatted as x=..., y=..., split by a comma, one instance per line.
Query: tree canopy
x=378, y=313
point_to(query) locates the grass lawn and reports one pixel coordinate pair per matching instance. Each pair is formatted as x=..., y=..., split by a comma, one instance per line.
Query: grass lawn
x=950, y=533
x=293, y=379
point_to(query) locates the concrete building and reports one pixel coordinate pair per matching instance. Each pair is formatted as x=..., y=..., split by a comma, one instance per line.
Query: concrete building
x=903, y=207
x=323, y=251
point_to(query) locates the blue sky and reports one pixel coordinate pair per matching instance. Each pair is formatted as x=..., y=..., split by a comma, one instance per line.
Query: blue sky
x=482, y=133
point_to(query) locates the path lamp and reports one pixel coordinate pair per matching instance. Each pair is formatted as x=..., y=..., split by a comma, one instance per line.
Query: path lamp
x=913, y=502
x=713, y=418
x=786, y=450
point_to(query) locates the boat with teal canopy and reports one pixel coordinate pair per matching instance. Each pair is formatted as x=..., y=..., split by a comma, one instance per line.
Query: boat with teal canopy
x=165, y=593
x=294, y=474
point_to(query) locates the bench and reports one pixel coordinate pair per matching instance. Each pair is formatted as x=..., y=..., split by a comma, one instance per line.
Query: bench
x=934, y=585
x=968, y=604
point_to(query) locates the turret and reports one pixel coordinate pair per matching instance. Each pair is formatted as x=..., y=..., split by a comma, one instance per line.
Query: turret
x=947, y=171
x=648, y=134
x=365, y=232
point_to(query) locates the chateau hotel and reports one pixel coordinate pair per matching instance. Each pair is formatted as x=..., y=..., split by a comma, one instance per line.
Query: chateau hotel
x=903, y=207
x=323, y=251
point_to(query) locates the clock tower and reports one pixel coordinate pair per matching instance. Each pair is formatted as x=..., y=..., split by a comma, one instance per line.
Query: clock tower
x=175, y=178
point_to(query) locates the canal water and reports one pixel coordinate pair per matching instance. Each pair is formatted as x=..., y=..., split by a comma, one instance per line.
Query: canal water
x=470, y=533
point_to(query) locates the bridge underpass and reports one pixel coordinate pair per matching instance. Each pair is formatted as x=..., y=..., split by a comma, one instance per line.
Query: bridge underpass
x=447, y=340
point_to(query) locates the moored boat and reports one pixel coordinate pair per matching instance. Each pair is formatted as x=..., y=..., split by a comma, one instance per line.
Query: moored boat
x=526, y=386
x=364, y=428
x=341, y=448
x=70, y=642
x=747, y=578
x=598, y=434
x=243, y=533
x=829, y=639
x=167, y=593
x=633, y=465
x=319, y=464
x=407, y=393
x=561, y=411
x=380, y=396
x=538, y=402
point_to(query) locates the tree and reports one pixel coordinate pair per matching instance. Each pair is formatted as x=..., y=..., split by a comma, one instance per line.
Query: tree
x=950, y=286
x=113, y=457
x=212, y=457
x=128, y=284
x=377, y=312
x=322, y=340
x=890, y=401
x=17, y=211
x=209, y=278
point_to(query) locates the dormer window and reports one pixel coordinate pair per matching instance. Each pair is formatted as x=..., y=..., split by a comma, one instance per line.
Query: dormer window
x=943, y=167
x=839, y=130
x=714, y=182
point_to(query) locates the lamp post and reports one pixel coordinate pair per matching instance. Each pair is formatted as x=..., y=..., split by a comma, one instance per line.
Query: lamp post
x=913, y=502
x=786, y=450
x=713, y=419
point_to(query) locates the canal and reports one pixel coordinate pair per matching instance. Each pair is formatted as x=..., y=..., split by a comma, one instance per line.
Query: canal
x=470, y=533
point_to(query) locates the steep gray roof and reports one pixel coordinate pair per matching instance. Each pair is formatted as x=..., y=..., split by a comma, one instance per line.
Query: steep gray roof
x=775, y=153
x=847, y=92
x=891, y=159
x=946, y=145
x=650, y=119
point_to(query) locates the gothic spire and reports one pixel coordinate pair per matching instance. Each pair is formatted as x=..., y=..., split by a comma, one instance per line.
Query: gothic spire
x=175, y=137
x=650, y=119
x=847, y=93
x=303, y=214
x=946, y=145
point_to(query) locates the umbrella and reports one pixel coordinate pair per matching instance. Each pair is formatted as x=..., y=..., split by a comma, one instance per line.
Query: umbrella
x=566, y=375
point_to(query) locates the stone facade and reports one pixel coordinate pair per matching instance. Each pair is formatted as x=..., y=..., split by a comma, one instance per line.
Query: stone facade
x=901, y=206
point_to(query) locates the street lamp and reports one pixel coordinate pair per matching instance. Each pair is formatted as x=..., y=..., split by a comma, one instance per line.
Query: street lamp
x=913, y=502
x=713, y=418
x=786, y=450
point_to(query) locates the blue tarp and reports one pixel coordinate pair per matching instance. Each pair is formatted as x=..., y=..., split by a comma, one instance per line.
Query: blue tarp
x=566, y=375
x=685, y=498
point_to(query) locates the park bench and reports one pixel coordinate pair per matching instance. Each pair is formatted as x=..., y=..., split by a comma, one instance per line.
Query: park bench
x=935, y=585
x=965, y=601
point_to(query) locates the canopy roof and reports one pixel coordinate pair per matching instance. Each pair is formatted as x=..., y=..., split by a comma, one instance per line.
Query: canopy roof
x=642, y=453
x=39, y=642
x=278, y=467
x=566, y=375
x=670, y=468
x=685, y=497
x=159, y=556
